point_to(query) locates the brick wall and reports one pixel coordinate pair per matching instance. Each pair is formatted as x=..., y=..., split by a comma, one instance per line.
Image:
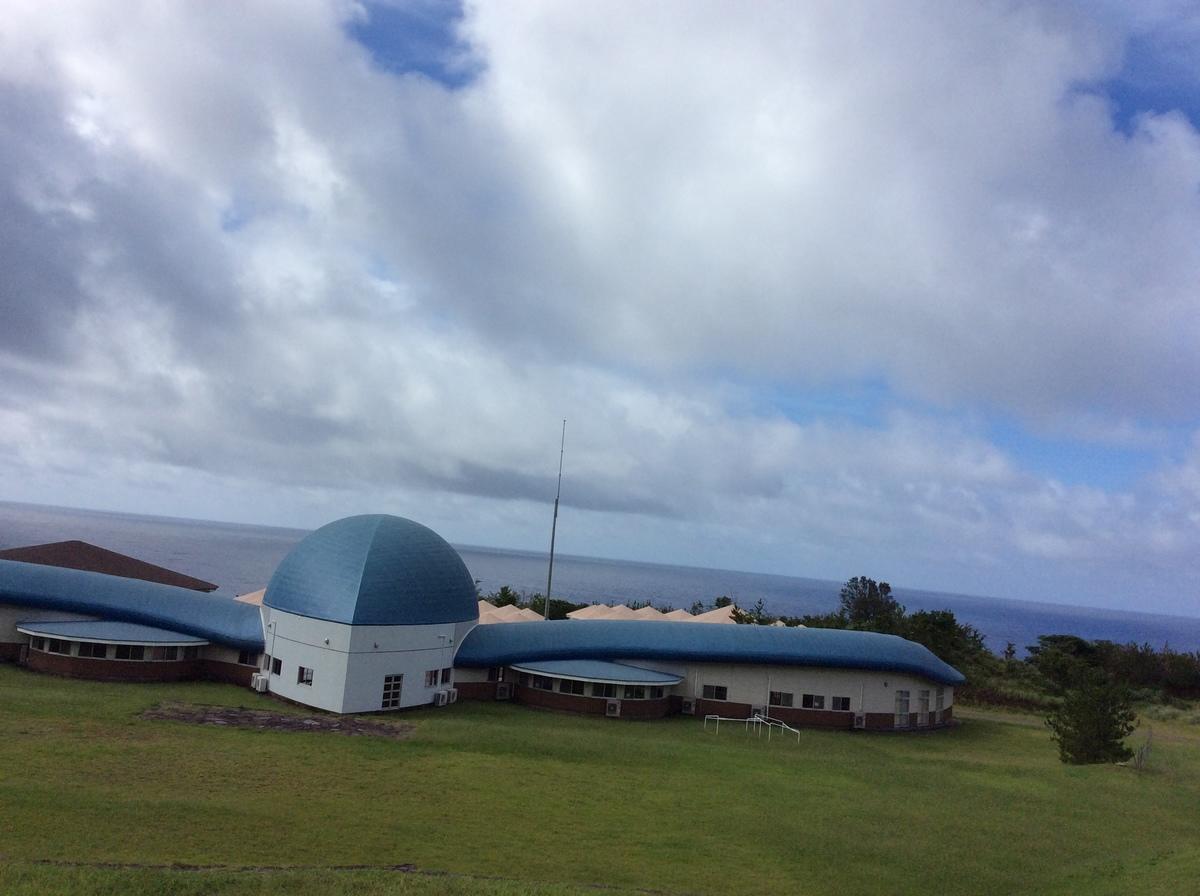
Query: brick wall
x=113, y=670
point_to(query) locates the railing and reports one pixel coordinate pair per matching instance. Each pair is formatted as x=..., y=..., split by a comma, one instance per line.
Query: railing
x=759, y=722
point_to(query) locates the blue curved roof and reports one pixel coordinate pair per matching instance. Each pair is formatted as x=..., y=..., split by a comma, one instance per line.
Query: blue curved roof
x=217, y=619
x=604, y=639
x=107, y=631
x=374, y=570
x=597, y=670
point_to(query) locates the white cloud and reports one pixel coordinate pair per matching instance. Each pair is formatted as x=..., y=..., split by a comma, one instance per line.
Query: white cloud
x=241, y=250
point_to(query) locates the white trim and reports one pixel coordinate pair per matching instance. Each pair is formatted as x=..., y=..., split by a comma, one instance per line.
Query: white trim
x=37, y=633
x=529, y=670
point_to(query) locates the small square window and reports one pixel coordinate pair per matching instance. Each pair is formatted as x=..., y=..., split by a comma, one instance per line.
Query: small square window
x=840, y=704
x=716, y=692
x=95, y=651
x=276, y=665
x=432, y=677
x=57, y=646
x=304, y=675
x=131, y=652
x=781, y=698
x=604, y=690
x=570, y=687
x=38, y=643
x=248, y=658
x=635, y=692
x=447, y=674
x=813, y=701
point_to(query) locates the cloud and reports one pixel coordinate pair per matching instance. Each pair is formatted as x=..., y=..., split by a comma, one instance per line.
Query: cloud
x=244, y=248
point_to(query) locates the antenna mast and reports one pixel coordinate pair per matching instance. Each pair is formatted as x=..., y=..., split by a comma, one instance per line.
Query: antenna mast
x=554, y=525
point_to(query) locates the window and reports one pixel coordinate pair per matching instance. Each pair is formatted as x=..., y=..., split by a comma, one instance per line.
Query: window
x=56, y=646
x=922, y=707
x=656, y=693
x=570, y=687
x=276, y=665
x=131, y=652
x=840, y=704
x=635, y=692
x=781, y=698
x=604, y=690
x=715, y=692
x=38, y=643
x=248, y=658
x=496, y=673
x=901, y=709
x=392, y=685
x=304, y=675
x=95, y=651
x=447, y=674
x=164, y=654
x=191, y=653
x=542, y=683
x=813, y=701
x=432, y=677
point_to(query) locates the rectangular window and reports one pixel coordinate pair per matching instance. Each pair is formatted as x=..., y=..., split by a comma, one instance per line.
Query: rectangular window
x=813, y=701
x=496, y=673
x=304, y=675
x=432, y=677
x=54, y=645
x=95, y=651
x=570, y=687
x=941, y=699
x=276, y=665
x=901, y=720
x=635, y=692
x=542, y=683
x=191, y=653
x=922, y=707
x=715, y=692
x=248, y=658
x=781, y=698
x=38, y=643
x=164, y=654
x=604, y=690
x=392, y=685
x=447, y=674
x=840, y=704
x=656, y=693
x=131, y=652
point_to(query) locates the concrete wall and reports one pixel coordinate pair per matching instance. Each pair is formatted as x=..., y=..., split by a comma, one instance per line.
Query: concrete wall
x=350, y=663
x=11, y=614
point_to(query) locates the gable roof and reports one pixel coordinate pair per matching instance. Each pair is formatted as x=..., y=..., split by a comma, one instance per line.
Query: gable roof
x=92, y=558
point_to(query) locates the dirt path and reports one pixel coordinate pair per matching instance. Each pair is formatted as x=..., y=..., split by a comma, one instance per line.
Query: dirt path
x=262, y=720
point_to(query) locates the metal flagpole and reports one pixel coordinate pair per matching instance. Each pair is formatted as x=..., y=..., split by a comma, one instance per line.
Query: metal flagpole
x=554, y=525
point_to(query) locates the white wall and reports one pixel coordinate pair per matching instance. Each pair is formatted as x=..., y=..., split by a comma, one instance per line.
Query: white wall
x=868, y=690
x=349, y=663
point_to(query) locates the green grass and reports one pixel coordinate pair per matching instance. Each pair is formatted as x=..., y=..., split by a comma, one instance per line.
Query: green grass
x=505, y=800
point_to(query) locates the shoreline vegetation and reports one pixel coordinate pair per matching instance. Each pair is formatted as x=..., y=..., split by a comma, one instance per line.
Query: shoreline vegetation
x=495, y=799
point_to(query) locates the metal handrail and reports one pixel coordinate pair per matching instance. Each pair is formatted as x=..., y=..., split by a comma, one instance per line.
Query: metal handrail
x=756, y=720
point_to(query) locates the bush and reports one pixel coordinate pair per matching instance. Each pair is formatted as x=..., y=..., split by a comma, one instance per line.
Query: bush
x=1091, y=724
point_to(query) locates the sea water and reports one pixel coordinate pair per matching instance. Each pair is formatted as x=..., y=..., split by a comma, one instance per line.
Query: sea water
x=241, y=558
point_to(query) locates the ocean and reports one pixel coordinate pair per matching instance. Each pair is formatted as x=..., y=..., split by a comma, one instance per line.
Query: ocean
x=241, y=558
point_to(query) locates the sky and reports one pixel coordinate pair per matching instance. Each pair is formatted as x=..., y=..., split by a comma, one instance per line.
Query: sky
x=902, y=290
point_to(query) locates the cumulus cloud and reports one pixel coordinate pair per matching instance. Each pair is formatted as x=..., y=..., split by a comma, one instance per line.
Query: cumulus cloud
x=238, y=247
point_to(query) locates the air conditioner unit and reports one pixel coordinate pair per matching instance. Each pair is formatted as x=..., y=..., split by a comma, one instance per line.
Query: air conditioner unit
x=453, y=695
x=860, y=720
x=254, y=677
x=613, y=709
x=760, y=711
x=688, y=707
x=440, y=698
x=504, y=691
x=260, y=683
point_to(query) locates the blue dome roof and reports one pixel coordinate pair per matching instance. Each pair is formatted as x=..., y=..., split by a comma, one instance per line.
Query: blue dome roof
x=374, y=570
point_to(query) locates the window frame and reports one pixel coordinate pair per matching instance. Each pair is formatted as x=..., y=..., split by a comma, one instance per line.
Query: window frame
x=717, y=692
x=304, y=676
x=812, y=701
x=786, y=699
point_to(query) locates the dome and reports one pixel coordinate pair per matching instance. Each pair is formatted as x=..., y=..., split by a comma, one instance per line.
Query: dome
x=374, y=570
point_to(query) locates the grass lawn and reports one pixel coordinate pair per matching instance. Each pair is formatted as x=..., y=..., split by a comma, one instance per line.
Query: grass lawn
x=497, y=799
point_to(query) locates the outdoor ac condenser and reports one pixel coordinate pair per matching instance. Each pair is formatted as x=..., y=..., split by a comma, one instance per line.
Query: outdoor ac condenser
x=504, y=691
x=440, y=698
x=860, y=720
x=452, y=695
x=688, y=707
x=613, y=709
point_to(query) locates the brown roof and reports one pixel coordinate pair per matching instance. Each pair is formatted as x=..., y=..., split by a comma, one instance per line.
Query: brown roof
x=81, y=555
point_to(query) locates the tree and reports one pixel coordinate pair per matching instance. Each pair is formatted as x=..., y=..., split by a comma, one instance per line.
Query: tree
x=1061, y=660
x=697, y=608
x=506, y=596
x=1095, y=717
x=866, y=604
x=722, y=601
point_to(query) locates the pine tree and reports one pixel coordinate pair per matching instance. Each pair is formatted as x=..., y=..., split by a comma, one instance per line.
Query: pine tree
x=1093, y=721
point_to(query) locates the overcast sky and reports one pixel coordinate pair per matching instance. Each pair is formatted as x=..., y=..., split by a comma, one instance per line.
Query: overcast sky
x=909, y=290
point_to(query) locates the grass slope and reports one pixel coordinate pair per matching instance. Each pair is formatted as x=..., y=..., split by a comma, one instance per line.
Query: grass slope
x=509, y=800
